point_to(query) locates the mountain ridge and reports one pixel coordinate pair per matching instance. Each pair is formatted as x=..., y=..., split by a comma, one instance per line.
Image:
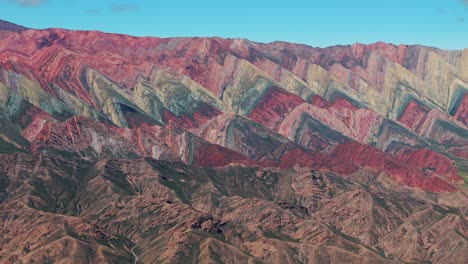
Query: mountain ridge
x=138, y=149
x=22, y=28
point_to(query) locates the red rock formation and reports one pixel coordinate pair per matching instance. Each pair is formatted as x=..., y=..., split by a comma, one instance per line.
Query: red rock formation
x=428, y=160
x=217, y=156
x=462, y=112
x=414, y=115
x=413, y=170
x=274, y=106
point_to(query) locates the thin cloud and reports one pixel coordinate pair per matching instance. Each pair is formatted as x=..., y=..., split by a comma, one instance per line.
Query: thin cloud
x=121, y=8
x=465, y=2
x=440, y=10
x=28, y=3
x=92, y=11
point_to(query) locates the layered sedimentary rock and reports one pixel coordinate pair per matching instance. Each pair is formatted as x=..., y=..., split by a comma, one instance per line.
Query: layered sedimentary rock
x=122, y=149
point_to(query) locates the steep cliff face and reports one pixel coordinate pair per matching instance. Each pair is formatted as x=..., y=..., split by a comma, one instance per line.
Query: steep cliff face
x=146, y=150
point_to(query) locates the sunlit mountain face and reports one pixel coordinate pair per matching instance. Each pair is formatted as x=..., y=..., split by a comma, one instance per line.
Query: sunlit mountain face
x=118, y=149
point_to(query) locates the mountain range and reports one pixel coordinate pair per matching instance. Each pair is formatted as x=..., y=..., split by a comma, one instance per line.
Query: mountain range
x=121, y=149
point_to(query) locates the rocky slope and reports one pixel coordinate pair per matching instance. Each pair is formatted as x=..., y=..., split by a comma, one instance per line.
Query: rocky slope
x=145, y=150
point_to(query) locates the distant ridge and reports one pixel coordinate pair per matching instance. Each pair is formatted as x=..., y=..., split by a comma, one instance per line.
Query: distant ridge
x=8, y=26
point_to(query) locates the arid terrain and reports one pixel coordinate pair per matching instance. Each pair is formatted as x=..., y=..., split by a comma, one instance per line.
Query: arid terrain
x=121, y=149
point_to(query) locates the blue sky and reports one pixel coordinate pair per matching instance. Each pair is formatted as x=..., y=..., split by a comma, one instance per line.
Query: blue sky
x=441, y=23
